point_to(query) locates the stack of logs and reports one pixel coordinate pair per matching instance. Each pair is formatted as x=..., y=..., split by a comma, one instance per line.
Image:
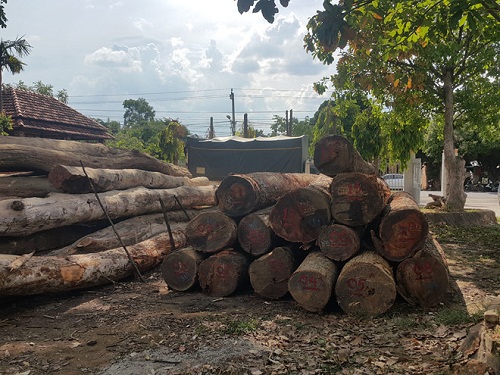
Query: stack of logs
x=336, y=237
x=55, y=235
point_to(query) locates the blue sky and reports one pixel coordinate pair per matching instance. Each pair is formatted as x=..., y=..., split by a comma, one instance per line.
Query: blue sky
x=182, y=57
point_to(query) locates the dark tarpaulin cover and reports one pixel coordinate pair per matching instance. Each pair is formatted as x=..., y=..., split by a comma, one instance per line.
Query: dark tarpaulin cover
x=219, y=157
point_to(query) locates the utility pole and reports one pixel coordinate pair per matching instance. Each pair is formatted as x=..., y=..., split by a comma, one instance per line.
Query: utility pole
x=245, y=125
x=211, y=132
x=233, y=121
x=289, y=128
x=286, y=122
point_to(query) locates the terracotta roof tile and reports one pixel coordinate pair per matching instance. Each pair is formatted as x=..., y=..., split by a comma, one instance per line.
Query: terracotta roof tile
x=44, y=116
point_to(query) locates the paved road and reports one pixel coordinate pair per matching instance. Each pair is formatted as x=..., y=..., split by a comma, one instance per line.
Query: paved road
x=474, y=200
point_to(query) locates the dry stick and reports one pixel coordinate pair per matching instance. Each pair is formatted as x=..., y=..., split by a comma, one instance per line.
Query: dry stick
x=164, y=211
x=138, y=273
x=182, y=208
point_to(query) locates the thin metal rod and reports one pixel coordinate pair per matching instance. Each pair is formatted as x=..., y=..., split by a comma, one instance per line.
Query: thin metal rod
x=164, y=210
x=182, y=208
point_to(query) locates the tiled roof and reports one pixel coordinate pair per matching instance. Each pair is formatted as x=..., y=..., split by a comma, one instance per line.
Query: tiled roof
x=43, y=116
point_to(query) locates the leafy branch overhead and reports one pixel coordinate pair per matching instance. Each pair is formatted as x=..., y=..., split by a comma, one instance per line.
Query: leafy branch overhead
x=268, y=8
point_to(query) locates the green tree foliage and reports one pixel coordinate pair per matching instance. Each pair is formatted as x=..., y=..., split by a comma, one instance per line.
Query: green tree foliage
x=113, y=126
x=44, y=89
x=8, y=59
x=172, y=141
x=137, y=112
x=5, y=123
x=268, y=8
x=3, y=18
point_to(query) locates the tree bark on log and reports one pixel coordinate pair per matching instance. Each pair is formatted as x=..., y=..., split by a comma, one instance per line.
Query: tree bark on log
x=402, y=230
x=42, y=154
x=41, y=274
x=29, y=215
x=72, y=179
x=334, y=154
x=339, y=242
x=357, y=198
x=255, y=235
x=210, y=232
x=131, y=231
x=423, y=279
x=300, y=215
x=312, y=283
x=270, y=273
x=48, y=240
x=26, y=187
x=180, y=268
x=224, y=273
x=366, y=286
x=239, y=195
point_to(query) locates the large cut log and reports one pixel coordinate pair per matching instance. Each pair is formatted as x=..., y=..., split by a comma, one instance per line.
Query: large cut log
x=357, y=198
x=48, y=240
x=25, y=187
x=29, y=215
x=255, y=235
x=210, y=232
x=366, y=286
x=41, y=274
x=42, y=154
x=402, y=230
x=224, y=273
x=312, y=283
x=131, y=231
x=239, y=195
x=180, y=268
x=74, y=181
x=300, y=215
x=423, y=279
x=334, y=154
x=339, y=242
x=270, y=273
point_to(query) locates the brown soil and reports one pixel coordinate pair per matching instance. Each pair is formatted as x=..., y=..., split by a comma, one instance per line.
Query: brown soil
x=143, y=328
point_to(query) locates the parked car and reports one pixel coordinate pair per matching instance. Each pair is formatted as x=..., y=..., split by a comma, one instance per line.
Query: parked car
x=394, y=180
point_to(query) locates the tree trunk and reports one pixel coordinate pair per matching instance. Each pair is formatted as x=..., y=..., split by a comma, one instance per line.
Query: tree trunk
x=131, y=231
x=334, y=154
x=224, y=273
x=50, y=239
x=41, y=274
x=300, y=215
x=454, y=164
x=239, y=195
x=42, y=154
x=402, y=230
x=255, y=235
x=366, y=286
x=210, y=232
x=339, y=242
x=72, y=179
x=25, y=187
x=29, y=215
x=270, y=273
x=312, y=283
x=423, y=279
x=357, y=198
x=180, y=268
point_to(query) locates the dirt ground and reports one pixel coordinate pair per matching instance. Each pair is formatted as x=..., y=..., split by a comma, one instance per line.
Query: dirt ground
x=132, y=327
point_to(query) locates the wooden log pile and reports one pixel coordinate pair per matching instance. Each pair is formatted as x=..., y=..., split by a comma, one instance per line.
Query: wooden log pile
x=340, y=238
x=64, y=226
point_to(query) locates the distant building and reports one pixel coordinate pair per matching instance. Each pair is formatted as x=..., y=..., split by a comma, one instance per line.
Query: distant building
x=43, y=116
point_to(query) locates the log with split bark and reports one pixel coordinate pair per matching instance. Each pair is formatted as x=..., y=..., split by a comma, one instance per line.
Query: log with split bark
x=22, y=275
x=357, y=198
x=29, y=215
x=423, y=279
x=312, y=283
x=334, y=154
x=239, y=195
x=366, y=286
x=270, y=273
x=224, y=273
x=42, y=154
x=402, y=230
x=301, y=214
x=339, y=242
x=210, y=232
x=180, y=268
x=74, y=181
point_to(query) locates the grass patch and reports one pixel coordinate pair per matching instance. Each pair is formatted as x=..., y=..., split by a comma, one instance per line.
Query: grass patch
x=453, y=317
x=241, y=327
x=487, y=236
